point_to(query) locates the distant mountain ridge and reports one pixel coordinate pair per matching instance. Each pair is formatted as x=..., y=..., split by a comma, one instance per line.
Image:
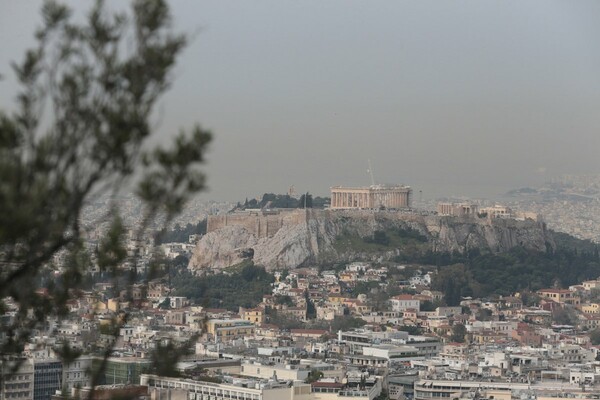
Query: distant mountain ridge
x=291, y=239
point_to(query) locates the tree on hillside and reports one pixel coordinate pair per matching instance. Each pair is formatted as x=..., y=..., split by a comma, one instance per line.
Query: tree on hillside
x=453, y=281
x=99, y=82
x=427, y=305
x=305, y=201
x=458, y=333
x=180, y=234
x=313, y=376
x=564, y=316
x=380, y=237
x=484, y=314
x=595, y=336
x=311, y=310
x=321, y=202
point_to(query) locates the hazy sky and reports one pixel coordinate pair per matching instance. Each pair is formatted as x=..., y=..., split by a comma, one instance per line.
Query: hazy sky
x=450, y=97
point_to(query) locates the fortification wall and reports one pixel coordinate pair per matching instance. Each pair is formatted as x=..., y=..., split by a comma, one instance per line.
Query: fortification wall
x=260, y=224
x=288, y=239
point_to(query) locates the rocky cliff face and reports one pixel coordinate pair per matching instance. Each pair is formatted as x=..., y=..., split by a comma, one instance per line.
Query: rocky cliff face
x=315, y=238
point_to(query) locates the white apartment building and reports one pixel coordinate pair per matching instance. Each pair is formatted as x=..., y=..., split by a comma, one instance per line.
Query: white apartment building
x=77, y=374
x=163, y=387
x=185, y=389
x=17, y=384
x=403, y=302
x=280, y=371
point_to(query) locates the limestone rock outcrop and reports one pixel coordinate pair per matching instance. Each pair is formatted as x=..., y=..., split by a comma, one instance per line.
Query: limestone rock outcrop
x=311, y=237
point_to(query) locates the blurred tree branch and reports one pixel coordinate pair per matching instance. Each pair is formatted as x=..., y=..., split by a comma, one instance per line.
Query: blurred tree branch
x=80, y=131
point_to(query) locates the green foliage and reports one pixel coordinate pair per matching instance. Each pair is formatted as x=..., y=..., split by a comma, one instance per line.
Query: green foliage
x=166, y=356
x=363, y=288
x=343, y=323
x=518, y=269
x=167, y=181
x=180, y=234
x=459, y=331
x=346, y=323
x=285, y=321
x=480, y=273
x=100, y=80
x=207, y=378
x=244, y=288
x=311, y=310
x=410, y=233
x=454, y=281
x=484, y=314
x=106, y=329
x=410, y=245
x=237, y=268
x=427, y=306
x=595, y=336
x=200, y=374
x=383, y=396
x=529, y=298
x=272, y=200
x=379, y=300
x=321, y=202
x=567, y=242
x=381, y=238
x=411, y=329
x=305, y=201
x=564, y=316
x=285, y=300
x=111, y=252
x=313, y=376
x=165, y=304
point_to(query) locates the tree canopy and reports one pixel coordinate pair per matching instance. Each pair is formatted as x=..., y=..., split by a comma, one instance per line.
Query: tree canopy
x=80, y=130
x=245, y=287
x=272, y=200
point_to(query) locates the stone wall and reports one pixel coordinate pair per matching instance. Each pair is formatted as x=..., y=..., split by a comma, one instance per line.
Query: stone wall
x=262, y=224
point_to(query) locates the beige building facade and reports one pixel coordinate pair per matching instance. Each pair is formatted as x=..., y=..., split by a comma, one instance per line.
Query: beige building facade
x=371, y=197
x=227, y=329
x=457, y=209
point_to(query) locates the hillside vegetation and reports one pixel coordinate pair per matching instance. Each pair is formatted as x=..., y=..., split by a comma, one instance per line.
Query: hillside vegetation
x=481, y=275
x=243, y=286
x=180, y=234
x=478, y=272
x=272, y=200
x=405, y=240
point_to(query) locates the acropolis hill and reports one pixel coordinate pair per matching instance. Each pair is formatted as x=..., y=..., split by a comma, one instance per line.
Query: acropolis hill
x=293, y=238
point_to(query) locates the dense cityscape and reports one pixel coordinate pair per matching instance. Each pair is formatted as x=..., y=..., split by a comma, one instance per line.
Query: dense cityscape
x=363, y=330
x=474, y=274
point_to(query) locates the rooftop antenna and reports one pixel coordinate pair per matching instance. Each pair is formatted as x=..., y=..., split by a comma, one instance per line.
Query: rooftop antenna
x=370, y=171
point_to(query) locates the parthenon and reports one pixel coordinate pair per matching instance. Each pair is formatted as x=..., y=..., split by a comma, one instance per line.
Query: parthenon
x=371, y=197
